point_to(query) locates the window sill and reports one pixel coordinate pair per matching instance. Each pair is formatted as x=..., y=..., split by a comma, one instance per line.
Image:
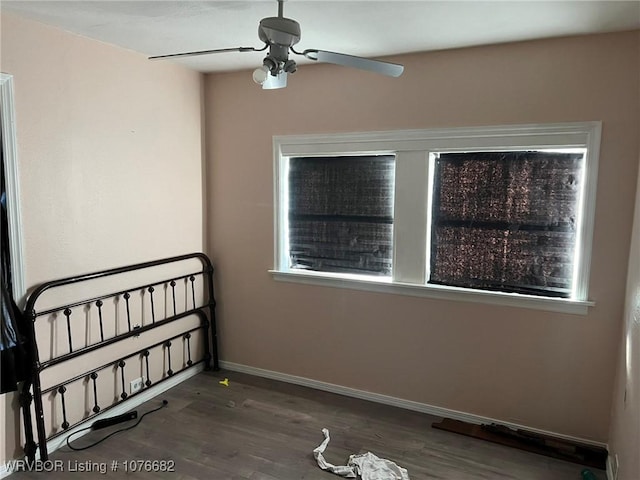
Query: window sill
x=386, y=285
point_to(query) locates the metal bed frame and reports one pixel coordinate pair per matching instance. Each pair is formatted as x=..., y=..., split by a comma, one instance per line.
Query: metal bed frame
x=32, y=391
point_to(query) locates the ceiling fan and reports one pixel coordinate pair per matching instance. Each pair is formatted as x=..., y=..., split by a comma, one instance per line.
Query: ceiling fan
x=279, y=35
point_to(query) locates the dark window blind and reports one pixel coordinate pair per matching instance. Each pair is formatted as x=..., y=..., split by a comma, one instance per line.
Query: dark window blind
x=506, y=221
x=341, y=214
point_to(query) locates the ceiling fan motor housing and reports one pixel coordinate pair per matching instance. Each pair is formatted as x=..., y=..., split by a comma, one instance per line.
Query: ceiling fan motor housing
x=280, y=34
x=279, y=31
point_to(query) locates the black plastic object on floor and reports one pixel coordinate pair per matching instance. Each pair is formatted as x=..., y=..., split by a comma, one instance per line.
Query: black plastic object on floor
x=575, y=452
x=107, y=422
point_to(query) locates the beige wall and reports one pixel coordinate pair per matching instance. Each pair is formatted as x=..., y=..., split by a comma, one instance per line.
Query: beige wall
x=110, y=159
x=539, y=369
x=624, y=438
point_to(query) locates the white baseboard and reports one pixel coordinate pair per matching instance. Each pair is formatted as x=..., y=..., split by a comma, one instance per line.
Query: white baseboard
x=611, y=473
x=124, y=407
x=394, y=401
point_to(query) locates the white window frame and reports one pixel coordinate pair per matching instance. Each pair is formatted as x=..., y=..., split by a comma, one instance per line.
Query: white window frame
x=414, y=151
x=14, y=216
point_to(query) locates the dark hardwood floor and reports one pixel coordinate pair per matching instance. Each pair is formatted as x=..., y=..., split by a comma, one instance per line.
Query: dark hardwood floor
x=260, y=429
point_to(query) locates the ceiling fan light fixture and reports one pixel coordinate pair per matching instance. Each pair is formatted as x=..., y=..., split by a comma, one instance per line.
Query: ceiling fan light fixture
x=290, y=66
x=272, y=73
x=260, y=75
x=275, y=81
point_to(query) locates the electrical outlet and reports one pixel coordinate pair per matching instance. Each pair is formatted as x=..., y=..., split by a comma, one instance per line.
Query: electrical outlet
x=136, y=385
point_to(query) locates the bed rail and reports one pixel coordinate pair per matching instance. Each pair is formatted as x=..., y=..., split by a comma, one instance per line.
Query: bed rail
x=148, y=319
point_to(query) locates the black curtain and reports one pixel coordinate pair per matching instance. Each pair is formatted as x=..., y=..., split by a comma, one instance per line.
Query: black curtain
x=506, y=221
x=13, y=352
x=341, y=214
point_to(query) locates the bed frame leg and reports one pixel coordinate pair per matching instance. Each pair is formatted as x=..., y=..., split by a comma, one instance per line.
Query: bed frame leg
x=212, y=322
x=26, y=398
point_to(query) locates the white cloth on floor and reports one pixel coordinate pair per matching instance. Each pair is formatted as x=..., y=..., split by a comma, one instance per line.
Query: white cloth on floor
x=367, y=465
x=371, y=467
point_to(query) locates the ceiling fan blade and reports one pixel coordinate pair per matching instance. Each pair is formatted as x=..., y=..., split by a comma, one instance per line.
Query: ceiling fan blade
x=376, y=66
x=207, y=52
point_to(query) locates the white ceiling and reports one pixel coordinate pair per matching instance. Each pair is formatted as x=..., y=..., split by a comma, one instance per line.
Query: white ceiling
x=366, y=27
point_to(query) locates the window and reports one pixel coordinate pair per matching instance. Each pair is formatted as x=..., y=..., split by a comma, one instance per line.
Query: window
x=506, y=221
x=341, y=214
x=492, y=214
